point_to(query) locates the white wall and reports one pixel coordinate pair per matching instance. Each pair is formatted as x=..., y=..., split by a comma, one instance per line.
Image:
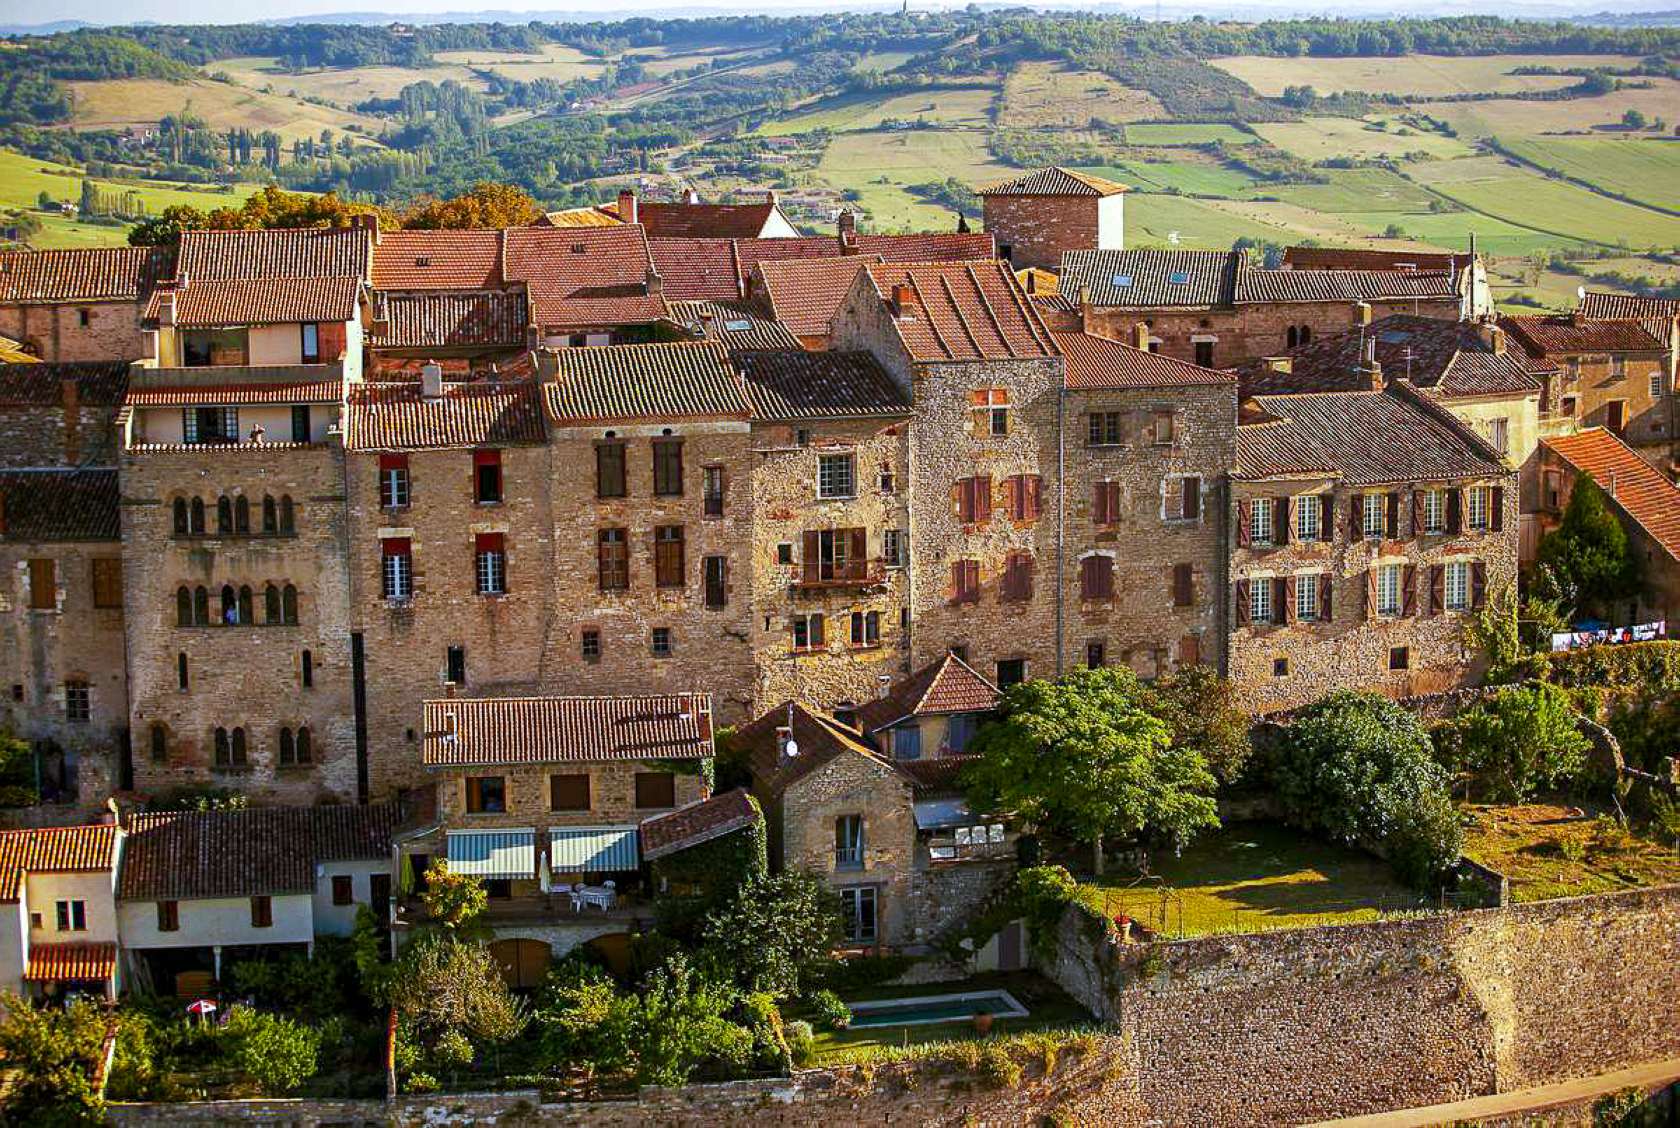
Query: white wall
x=163, y=424
x=1111, y=222
x=340, y=920
x=14, y=928
x=209, y=922
x=45, y=890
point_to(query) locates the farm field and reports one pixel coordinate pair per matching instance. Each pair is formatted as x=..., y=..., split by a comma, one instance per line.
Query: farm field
x=1178, y=221
x=556, y=61
x=964, y=106
x=1499, y=189
x=343, y=86
x=659, y=62
x=1186, y=133
x=1321, y=138
x=1194, y=176
x=1354, y=190
x=1643, y=170
x=1047, y=95
x=1451, y=230
x=860, y=160
x=143, y=101
x=1423, y=76
x=1505, y=117
x=884, y=61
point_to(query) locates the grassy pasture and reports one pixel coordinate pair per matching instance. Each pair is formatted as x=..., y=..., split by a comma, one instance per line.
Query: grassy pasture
x=1046, y=95
x=1529, y=199
x=1423, y=76
x=1504, y=117
x=120, y=103
x=343, y=86
x=1354, y=190
x=1192, y=177
x=1643, y=170
x=860, y=160
x=1321, y=138
x=1162, y=221
x=884, y=61
x=1551, y=851
x=659, y=62
x=1452, y=230
x=555, y=61
x=1185, y=133
x=963, y=106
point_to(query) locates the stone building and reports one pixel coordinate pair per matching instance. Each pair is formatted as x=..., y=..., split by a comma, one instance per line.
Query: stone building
x=1039, y=217
x=441, y=296
x=1355, y=561
x=931, y=714
x=79, y=305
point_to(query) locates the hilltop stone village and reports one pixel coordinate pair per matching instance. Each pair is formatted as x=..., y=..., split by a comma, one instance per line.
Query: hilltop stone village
x=465, y=546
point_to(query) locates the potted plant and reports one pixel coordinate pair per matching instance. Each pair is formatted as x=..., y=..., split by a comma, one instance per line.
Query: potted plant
x=983, y=1023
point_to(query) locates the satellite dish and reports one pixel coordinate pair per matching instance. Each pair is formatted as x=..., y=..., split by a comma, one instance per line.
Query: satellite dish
x=791, y=749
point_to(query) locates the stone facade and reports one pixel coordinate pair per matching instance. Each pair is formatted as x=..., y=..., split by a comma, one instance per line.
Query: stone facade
x=1628, y=394
x=76, y=331
x=1033, y=230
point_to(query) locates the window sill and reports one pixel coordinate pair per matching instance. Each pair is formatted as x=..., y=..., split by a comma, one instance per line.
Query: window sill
x=484, y=504
x=295, y=769
x=837, y=497
x=232, y=769
x=493, y=596
x=864, y=646
x=571, y=810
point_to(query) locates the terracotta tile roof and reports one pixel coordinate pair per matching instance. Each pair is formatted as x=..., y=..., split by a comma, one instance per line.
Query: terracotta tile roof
x=737, y=325
x=487, y=319
x=698, y=822
x=438, y=260
x=805, y=295
x=936, y=775
x=820, y=738
x=85, y=274
x=214, y=303
x=699, y=221
x=1563, y=334
x=664, y=381
x=1637, y=487
x=945, y=685
x=584, y=277
x=1368, y=438
x=182, y=855
x=794, y=384
x=963, y=311
x=464, y=732
x=292, y=252
x=55, y=506
x=56, y=849
x=697, y=269
x=1148, y=279
x=1054, y=181
x=1266, y=286
x=1097, y=362
x=1446, y=358
x=73, y=963
x=1598, y=304
x=98, y=384
x=590, y=216
x=930, y=246
x=236, y=395
x=1359, y=258
x=397, y=417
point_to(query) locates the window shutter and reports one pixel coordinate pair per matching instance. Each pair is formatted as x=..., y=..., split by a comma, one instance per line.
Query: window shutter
x=982, y=498
x=1283, y=599
x=1245, y=523
x=1371, y=593
x=1455, y=511
x=857, y=556
x=1417, y=513
x=1496, y=508
x=1478, y=584
x=1391, y=523
x=1437, y=589
x=1356, y=517
x=1183, y=585
x=1326, y=589
x=1192, y=493
x=1013, y=502
x=810, y=556
x=1242, y=607
x=1099, y=504
x=489, y=542
x=816, y=630
x=1281, y=512
x=959, y=573
x=1034, y=486
x=331, y=339
x=959, y=500
x=1408, y=591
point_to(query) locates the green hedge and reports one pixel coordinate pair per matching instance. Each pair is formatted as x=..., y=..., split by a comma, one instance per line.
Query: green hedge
x=1644, y=666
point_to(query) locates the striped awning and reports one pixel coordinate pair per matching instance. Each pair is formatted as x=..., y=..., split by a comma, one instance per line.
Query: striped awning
x=493, y=853
x=593, y=849
x=67, y=963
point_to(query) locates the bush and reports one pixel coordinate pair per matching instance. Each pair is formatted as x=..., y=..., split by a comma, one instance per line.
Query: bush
x=802, y=1043
x=829, y=1010
x=862, y=972
x=1520, y=740
x=999, y=1069
x=277, y=1053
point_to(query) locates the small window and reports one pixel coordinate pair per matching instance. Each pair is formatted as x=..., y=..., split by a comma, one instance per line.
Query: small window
x=613, y=559
x=1659, y=386
x=72, y=916
x=1280, y=666
x=306, y=669
x=660, y=642
x=888, y=482
x=1499, y=434
x=1388, y=589
x=1308, y=517
x=1260, y=601
x=490, y=564
x=300, y=423
x=1096, y=655
x=107, y=582
x=262, y=912
x=288, y=517
x=397, y=569
x=848, y=842
x=455, y=665
x=1164, y=432
x=655, y=791
x=393, y=481
x=892, y=548
x=159, y=743
x=1183, y=585
x=1477, y=504
x=667, y=467
x=1434, y=511
x=711, y=491
x=169, y=916
x=866, y=628
x=1011, y=672
x=668, y=564
x=714, y=570
x=857, y=915
x=487, y=477
x=180, y=524
x=1618, y=368
x=1399, y=658
x=1096, y=578
x=611, y=479
x=1371, y=514
x=590, y=644
x=1457, y=585
x=270, y=516
x=181, y=678
x=784, y=553
x=568, y=792
x=486, y=795
x=78, y=702
x=1260, y=521
x=808, y=631
x=343, y=889
x=991, y=412
x=836, y=475
x=1106, y=428
x=907, y=742
x=311, y=343
x=1306, y=597
x=84, y=318
x=1204, y=353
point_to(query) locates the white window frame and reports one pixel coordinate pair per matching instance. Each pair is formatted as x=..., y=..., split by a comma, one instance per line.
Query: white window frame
x=1309, y=513
x=1499, y=434
x=1455, y=593
x=1434, y=511
x=1260, y=529
x=1659, y=385
x=1618, y=367
x=1306, y=596
x=829, y=484
x=1390, y=599
x=397, y=576
x=892, y=547
x=1372, y=518
x=1477, y=502
x=850, y=855
x=1260, y=599
x=490, y=571
x=394, y=482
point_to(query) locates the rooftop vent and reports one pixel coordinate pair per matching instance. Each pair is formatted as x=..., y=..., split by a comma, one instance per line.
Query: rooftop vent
x=737, y=326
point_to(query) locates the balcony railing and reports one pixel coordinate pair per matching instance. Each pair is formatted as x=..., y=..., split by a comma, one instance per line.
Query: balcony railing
x=848, y=857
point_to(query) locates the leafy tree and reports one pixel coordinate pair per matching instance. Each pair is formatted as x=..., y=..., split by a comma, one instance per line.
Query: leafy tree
x=574, y=1013
x=1085, y=756
x=1634, y=119
x=52, y=1056
x=449, y=997
x=776, y=934
x=453, y=901
x=484, y=205
x=1521, y=740
x=677, y=1023
x=1200, y=711
x=1359, y=768
x=17, y=772
x=275, y=1052
x=1586, y=560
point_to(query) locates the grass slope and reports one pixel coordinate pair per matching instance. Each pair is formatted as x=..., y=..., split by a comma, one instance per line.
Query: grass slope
x=1423, y=76
x=963, y=106
x=1549, y=851
x=1643, y=170
x=1047, y=95
x=143, y=101
x=861, y=160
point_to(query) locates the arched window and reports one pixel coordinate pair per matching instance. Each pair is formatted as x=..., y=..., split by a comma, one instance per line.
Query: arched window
x=303, y=749
x=288, y=600
x=239, y=747
x=160, y=742
x=246, y=616
x=183, y=606
x=1306, y=334
x=201, y=607
x=224, y=754
x=198, y=516
x=286, y=525
x=288, y=752
x=242, y=515
x=181, y=526
x=230, y=606
x=181, y=669
x=1292, y=337
x=224, y=516
x=271, y=604
x=271, y=523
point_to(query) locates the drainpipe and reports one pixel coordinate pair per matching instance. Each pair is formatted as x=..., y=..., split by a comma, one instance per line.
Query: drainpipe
x=1061, y=509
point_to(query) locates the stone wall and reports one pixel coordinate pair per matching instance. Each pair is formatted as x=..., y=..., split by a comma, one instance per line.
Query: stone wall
x=69, y=433
x=1037, y=230
x=56, y=332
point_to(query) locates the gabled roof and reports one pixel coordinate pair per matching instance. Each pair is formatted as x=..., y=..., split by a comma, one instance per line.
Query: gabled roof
x=83, y=274
x=718, y=269
x=735, y=325
x=214, y=303
x=438, y=260
x=698, y=269
x=1265, y=286
x=1598, y=304
x=56, y=849
x=181, y=855
x=150, y=394
x=1054, y=181
x=1563, y=334
x=1150, y=279
x=962, y=311
x=484, y=319
x=462, y=732
x=791, y=384
x=290, y=252
x=584, y=277
x=1634, y=485
x=38, y=384
x=697, y=823
x=700, y=221
x=805, y=294
x=58, y=506
x=662, y=381
x=819, y=737
x=1360, y=258
x=397, y=416
x=945, y=685
x=1097, y=362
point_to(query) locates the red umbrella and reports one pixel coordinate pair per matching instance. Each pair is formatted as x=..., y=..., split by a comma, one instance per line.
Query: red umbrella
x=202, y=1007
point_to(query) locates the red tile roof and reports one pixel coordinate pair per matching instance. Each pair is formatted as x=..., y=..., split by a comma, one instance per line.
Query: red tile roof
x=438, y=260
x=791, y=384
x=698, y=822
x=86, y=274
x=291, y=252
x=697, y=269
x=929, y=246
x=699, y=221
x=1563, y=334
x=1054, y=181
x=738, y=325
x=1359, y=258
x=963, y=311
x=236, y=395
x=1097, y=362
x=56, y=506
x=58, y=849
x=664, y=381
x=37, y=384
x=487, y=319
x=584, y=277
x=1637, y=487
x=269, y=301
x=398, y=417
x=463, y=732
x=1596, y=303
x=820, y=740
x=805, y=295
x=945, y=685
x=71, y=963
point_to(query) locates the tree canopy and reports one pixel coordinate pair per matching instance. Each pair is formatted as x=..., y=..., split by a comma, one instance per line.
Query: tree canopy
x=1586, y=561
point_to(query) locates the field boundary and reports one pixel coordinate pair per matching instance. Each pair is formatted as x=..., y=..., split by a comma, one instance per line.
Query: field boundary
x=1558, y=174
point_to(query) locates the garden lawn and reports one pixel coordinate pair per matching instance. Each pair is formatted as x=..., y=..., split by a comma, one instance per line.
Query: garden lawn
x=1550, y=851
x=1048, y=1008
x=1247, y=877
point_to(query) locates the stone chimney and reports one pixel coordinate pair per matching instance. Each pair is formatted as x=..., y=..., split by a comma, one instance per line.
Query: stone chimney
x=1368, y=362
x=690, y=196
x=1140, y=336
x=1493, y=336
x=627, y=209
x=848, y=230
x=903, y=296
x=655, y=284
x=1362, y=313
x=770, y=197
x=366, y=221
x=431, y=380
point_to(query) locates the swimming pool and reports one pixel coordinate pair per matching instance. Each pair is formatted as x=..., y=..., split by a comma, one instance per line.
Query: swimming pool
x=935, y=1008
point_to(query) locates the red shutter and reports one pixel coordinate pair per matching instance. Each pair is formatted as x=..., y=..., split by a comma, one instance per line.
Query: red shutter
x=1356, y=518
x=1478, y=584
x=393, y=462
x=331, y=339
x=1408, y=591
x=857, y=554
x=1191, y=493
x=1183, y=585
x=1391, y=523
x=487, y=458
x=394, y=546
x=1283, y=600
x=1012, y=499
x=1326, y=590
x=982, y=498
x=810, y=557
x=1496, y=513
x=1099, y=504
x=489, y=542
x=1033, y=486
x=1437, y=589
x=1417, y=513
x=1242, y=607
x=1245, y=523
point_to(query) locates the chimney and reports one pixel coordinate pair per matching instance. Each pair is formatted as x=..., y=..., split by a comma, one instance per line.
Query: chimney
x=1368, y=362
x=848, y=230
x=690, y=196
x=655, y=284
x=1494, y=335
x=902, y=298
x=1362, y=313
x=628, y=212
x=1140, y=336
x=771, y=198
x=431, y=380
x=166, y=304
x=366, y=221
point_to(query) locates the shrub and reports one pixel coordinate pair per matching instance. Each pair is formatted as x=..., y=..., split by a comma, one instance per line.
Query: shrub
x=52, y=1056
x=802, y=1043
x=775, y=933
x=277, y=1053
x=830, y=1011
x=862, y=972
x=999, y=1069
x=1520, y=740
